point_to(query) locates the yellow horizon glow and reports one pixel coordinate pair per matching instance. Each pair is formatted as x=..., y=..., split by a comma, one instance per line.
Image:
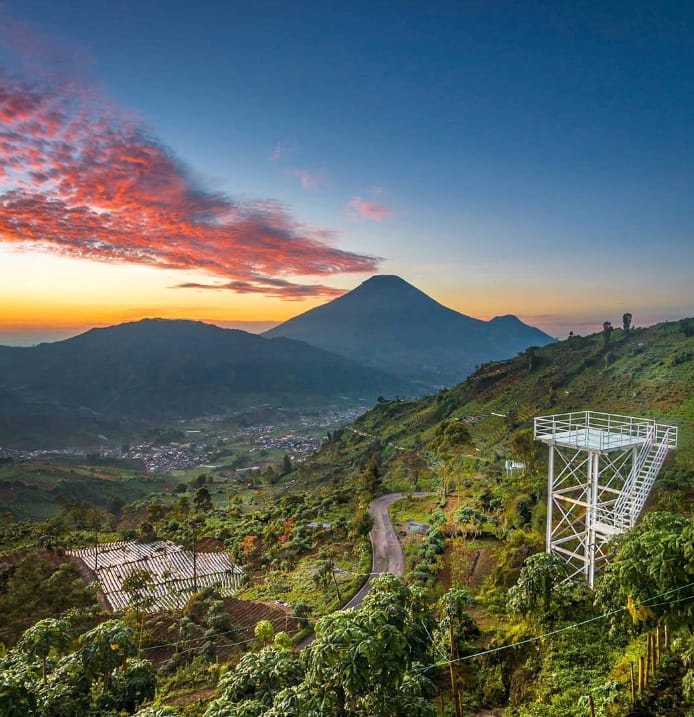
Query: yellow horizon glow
x=44, y=294
x=42, y=290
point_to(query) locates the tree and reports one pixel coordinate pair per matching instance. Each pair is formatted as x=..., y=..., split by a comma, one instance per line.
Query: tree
x=363, y=659
x=139, y=583
x=251, y=686
x=264, y=631
x=652, y=571
x=362, y=663
x=133, y=684
x=44, y=637
x=286, y=467
x=106, y=647
x=531, y=352
x=473, y=519
x=34, y=589
x=372, y=476
x=325, y=572
x=362, y=522
x=524, y=448
x=626, y=321
x=455, y=622
x=449, y=437
x=538, y=580
x=607, y=330
x=301, y=612
x=95, y=679
x=203, y=500
x=157, y=711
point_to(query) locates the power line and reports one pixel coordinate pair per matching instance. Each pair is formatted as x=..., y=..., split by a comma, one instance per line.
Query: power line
x=551, y=633
x=217, y=634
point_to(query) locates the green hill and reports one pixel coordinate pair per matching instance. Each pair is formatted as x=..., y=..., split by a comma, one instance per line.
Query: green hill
x=528, y=643
x=646, y=372
x=162, y=369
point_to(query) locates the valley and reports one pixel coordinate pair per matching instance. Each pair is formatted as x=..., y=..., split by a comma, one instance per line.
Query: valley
x=289, y=503
x=346, y=359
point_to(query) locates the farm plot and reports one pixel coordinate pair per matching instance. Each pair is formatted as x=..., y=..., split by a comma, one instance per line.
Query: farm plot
x=167, y=573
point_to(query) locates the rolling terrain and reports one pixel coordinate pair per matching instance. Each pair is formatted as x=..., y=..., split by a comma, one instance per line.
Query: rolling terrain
x=646, y=372
x=160, y=370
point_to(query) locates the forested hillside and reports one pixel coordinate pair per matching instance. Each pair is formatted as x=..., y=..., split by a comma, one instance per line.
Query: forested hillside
x=482, y=622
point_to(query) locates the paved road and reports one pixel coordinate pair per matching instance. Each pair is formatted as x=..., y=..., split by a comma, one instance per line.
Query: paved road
x=385, y=548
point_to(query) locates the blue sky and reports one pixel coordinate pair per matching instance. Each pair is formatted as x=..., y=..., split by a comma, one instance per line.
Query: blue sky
x=529, y=158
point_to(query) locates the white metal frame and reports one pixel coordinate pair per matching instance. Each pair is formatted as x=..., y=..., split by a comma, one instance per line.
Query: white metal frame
x=602, y=467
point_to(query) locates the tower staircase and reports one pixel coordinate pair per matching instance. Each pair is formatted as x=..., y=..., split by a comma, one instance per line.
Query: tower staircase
x=637, y=487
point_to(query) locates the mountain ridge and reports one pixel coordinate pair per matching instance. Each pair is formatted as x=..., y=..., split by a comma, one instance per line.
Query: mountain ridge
x=389, y=323
x=168, y=368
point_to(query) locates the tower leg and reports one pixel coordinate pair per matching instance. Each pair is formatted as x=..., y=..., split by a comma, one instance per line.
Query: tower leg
x=591, y=516
x=550, y=497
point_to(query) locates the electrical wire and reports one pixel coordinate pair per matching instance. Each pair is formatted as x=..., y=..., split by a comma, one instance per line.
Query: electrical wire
x=551, y=633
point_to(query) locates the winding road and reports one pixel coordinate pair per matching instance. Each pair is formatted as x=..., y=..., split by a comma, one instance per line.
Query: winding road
x=385, y=546
x=385, y=550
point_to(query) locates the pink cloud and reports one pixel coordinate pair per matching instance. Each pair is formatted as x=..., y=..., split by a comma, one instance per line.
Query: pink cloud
x=359, y=209
x=276, y=152
x=83, y=178
x=308, y=181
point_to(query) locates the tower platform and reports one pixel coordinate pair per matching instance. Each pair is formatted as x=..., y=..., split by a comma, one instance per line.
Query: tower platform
x=602, y=467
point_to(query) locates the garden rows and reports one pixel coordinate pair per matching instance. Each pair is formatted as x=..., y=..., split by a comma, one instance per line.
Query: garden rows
x=172, y=573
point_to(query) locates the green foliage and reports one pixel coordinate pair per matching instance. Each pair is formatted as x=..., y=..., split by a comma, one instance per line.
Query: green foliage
x=157, y=711
x=199, y=604
x=653, y=571
x=450, y=435
x=140, y=584
x=256, y=679
x=524, y=448
x=538, y=581
x=34, y=589
x=96, y=678
x=426, y=557
x=106, y=647
x=46, y=636
x=264, y=631
x=362, y=662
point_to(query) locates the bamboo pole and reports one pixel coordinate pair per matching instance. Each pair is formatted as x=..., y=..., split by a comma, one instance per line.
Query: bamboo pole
x=647, y=671
x=657, y=644
x=665, y=636
x=454, y=686
x=633, y=685
x=642, y=681
x=591, y=702
x=653, y=663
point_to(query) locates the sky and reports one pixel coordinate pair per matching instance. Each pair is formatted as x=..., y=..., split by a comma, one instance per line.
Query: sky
x=242, y=162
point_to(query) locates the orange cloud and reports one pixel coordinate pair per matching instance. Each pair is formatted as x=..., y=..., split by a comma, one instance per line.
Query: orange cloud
x=83, y=179
x=359, y=209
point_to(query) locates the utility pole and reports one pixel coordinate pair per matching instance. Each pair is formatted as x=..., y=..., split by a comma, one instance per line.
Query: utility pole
x=194, y=523
x=451, y=667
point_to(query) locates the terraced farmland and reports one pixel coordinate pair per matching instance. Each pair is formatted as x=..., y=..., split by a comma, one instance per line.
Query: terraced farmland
x=175, y=573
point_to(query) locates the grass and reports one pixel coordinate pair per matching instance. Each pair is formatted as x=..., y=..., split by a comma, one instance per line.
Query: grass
x=38, y=490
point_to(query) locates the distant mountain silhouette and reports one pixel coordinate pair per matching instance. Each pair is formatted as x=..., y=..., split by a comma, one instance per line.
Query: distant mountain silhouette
x=159, y=368
x=387, y=323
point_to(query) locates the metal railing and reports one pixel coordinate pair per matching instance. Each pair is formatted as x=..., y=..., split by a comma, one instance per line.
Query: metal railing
x=602, y=431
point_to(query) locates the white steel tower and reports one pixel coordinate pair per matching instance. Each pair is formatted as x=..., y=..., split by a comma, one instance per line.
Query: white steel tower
x=601, y=469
